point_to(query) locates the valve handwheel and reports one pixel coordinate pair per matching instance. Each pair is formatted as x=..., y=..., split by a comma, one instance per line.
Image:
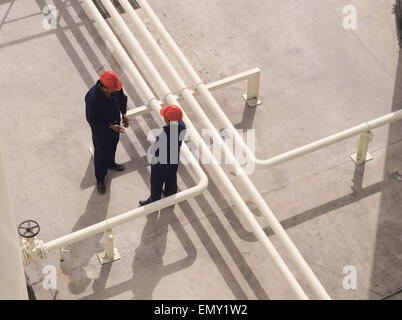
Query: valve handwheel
x=28, y=229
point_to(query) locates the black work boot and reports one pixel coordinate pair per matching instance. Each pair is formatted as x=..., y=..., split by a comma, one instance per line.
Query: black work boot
x=101, y=187
x=118, y=167
x=144, y=202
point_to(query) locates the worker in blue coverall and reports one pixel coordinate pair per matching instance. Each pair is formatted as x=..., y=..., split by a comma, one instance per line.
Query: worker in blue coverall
x=165, y=154
x=104, y=103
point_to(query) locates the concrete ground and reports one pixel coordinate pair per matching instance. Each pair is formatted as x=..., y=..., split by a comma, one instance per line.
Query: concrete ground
x=317, y=79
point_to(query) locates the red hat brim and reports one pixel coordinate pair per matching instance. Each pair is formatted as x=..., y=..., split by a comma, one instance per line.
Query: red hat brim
x=118, y=87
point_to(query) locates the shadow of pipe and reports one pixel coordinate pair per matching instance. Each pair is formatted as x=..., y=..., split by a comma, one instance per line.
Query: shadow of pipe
x=247, y=118
x=81, y=253
x=227, y=241
x=148, y=267
x=331, y=206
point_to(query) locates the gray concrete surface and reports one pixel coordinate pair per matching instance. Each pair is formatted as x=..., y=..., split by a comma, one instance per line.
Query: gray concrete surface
x=317, y=79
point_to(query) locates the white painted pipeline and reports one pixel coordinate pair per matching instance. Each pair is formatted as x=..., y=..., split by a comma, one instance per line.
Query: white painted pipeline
x=170, y=42
x=136, y=213
x=12, y=278
x=215, y=107
x=253, y=192
x=140, y=26
x=170, y=98
x=335, y=138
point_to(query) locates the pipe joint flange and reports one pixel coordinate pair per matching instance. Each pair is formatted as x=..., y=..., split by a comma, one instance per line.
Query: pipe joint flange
x=150, y=101
x=43, y=253
x=197, y=85
x=369, y=133
x=25, y=257
x=182, y=89
x=167, y=94
x=108, y=226
x=31, y=249
x=369, y=128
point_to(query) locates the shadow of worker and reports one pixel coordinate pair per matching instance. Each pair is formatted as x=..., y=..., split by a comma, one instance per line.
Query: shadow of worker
x=148, y=266
x=80, y=253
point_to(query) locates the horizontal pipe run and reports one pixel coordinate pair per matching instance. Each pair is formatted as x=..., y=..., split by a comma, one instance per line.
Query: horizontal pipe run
x=232, y=79
x=212, y=103
x=319, y=144
x=137, y=111
x=389, y=118
x=295, y=153
x=330, y=140
x=138, y=52
x=75, y=236
x=136, y=213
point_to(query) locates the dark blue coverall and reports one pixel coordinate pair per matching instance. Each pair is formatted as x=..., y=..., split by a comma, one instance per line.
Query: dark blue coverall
x=164, y=172
x=101, y=112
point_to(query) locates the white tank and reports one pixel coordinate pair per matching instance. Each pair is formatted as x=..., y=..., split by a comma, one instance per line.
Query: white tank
x=12, y=277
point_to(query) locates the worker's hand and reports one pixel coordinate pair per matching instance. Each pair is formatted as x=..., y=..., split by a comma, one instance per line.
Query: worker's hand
x=117, y=128
x=126, y=121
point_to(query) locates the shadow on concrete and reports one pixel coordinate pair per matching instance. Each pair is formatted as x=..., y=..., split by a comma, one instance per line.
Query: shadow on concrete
x=386, y=275
x=133, y=165
x=81, y=253
x=358, y=176
x=97, y=65
x=148, y=267
x=247, y=118
x=7, y=12
x=89, y=177
x=97, y=206
x=227, y=241
x=328, y=207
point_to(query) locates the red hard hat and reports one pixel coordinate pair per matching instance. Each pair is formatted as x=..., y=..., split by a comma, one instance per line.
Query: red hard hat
x=172, y=113
x=110, y=80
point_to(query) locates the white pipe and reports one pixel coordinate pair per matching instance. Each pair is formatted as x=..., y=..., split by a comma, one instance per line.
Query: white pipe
x=12, y=278
x=253, y=192
x=136, y=213
x=335, y=138
x=215, y=107
x=170, y=42
x=171, y=98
